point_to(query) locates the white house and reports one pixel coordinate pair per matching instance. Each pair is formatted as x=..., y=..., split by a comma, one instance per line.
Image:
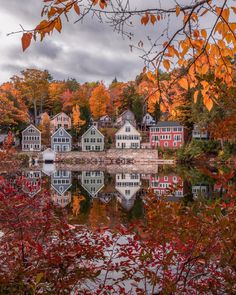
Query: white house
x=148, y=120
x=127, y=184
x=49, y=155
x=127, y=137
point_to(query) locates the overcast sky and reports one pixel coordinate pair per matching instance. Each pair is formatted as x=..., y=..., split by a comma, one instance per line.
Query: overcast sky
x=88, y=52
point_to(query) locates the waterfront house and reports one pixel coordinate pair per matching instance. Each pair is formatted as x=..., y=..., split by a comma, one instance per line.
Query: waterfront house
x=61, y=120
x=126, y=116
x=61, y=200
x=201, y=190
x=199, y=133
x=92, y=140
x=105, y=121
x=61, y=140
x=61, y=181
x=49, y=156
x=127, y=184
x=167, y=185
x=92, y=182
x=32, y=182
x=168, y=134
x=127, y=137
x=31, y=139
x=148, y=120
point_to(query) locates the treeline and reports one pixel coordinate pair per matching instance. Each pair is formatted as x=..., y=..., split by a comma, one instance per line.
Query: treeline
x=34, y=92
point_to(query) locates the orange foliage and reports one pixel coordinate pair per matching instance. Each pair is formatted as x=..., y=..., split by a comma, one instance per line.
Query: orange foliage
x=99, y=101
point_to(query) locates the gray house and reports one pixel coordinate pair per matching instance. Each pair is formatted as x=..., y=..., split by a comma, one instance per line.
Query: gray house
x=92, y=181
x=31, y=139
x=126, y=116
x=61, y=141
x=61, y=181
x=92, y=140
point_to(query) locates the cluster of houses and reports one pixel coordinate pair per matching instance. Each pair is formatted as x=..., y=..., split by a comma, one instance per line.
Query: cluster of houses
x=126, y=188
x=166, y=134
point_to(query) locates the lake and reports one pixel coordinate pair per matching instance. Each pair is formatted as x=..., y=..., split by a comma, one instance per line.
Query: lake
x=120, y=191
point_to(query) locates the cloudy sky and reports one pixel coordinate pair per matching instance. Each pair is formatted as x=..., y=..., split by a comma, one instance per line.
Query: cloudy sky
x=89, y=51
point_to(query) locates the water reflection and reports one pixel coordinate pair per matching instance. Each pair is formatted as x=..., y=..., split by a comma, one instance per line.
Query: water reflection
x=92, y=182
x=78, y=190
x=32, y=184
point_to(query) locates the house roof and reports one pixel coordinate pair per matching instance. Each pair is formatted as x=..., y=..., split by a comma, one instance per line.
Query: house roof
x=92, y=127
x=125, y=112
x=168, y=124
x=64, y=130
x=103, y=117
x=32, y=126
x=127, y=123
x=58, y=115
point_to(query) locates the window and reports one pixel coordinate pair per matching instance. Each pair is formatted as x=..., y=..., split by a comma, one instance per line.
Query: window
x=177, y=137
x=166, y=144
x=92, y=139
x=175, y=143
x=127, y=192
x=61, y=132
x=163, y=129
x=127, y=129
x=97, y=148
x=87, y=147
x=93, y=132
x=99, y=140
x=166, y=178
x=86, y=140
x=180, y=128
x=168, y=129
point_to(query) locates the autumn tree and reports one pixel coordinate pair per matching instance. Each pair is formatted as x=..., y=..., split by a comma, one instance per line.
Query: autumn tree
x=99, y=101
x=56, y=92
x=116, y=92
x=193, y=44
x=14, y=111
x=76, y=118
x=45, y=129
x=33, y=87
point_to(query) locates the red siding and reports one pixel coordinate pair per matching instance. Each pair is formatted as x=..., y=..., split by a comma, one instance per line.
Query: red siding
x=168, y=138
x=163, y=184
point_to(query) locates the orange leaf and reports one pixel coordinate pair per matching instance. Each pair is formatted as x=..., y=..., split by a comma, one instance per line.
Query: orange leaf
x=145, y=19
x=153, y=19
x=195, y=96
x=177, y=10
x=183, y=83
x=26, y=40
x=204, y=33
x=58, y=25
x=166, y=64
x=208, y=103
x=76, y=8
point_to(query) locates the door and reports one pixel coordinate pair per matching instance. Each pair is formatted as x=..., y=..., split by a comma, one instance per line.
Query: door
x=123, y=145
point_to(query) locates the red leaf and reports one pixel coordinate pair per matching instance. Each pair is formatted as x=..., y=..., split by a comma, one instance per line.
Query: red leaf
x=26, y=40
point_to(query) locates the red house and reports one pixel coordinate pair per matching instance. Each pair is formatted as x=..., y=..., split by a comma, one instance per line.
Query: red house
x=168, y=185
x=168, y=134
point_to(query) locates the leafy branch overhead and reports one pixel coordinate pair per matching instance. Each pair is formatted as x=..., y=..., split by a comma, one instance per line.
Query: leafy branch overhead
x=196, y=46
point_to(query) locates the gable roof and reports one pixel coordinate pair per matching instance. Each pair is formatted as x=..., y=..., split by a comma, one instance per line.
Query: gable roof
x=129, y=124
x=59, y=114
x=103, y=117
x=168, y=124
x=126, y=111
x=92, y=127
x=64, y=130
x=31, y=126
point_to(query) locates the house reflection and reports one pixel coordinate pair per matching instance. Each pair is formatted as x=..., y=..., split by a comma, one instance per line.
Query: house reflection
x=127, y=184
x=171, y=186
x=61, y=181
x=32, y=183
x=92, y=182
